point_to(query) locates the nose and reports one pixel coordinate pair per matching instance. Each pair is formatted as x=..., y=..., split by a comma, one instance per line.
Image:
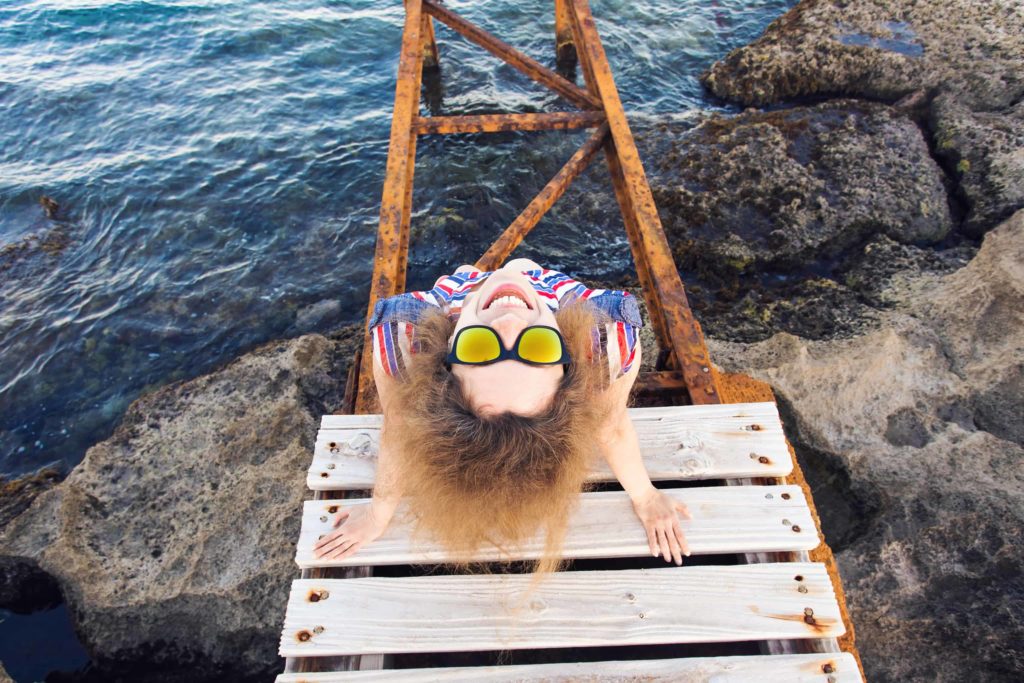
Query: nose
x=509, y=326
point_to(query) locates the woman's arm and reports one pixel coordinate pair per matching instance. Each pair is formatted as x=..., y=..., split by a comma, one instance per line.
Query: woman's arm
x=387, y=488
x=619, y=442
x=621, y=448
x=362, y=524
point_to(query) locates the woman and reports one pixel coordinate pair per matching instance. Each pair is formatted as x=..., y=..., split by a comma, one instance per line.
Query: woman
x=491, y=420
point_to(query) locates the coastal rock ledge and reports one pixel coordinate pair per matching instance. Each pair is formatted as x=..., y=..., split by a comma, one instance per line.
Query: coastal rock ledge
x=916, y=430
x=173, y=541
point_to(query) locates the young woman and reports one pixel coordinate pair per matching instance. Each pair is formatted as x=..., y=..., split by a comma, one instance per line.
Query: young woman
x=497, y=389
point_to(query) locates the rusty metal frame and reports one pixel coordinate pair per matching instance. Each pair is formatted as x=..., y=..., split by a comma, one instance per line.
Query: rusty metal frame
x=684, y=367
x=576, y=38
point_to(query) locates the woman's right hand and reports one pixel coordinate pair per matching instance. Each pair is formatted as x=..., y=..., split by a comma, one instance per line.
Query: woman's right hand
x=362, y=524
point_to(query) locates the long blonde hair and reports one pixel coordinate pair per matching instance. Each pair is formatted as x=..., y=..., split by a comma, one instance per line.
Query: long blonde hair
x=472, y=480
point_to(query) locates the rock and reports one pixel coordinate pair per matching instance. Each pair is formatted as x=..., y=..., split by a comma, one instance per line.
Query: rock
x=316, y=316
x=173, y=541
x=917, y=426
x=785, y=188
x=17, y=494
x=4, y=678
x=985, y=152
x=881, y=49
x=24, y=587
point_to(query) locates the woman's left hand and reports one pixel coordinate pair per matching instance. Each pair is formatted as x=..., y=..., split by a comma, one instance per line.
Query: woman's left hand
x=665, y=537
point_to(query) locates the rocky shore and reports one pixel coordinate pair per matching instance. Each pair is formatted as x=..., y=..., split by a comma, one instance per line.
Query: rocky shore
x=858, y=243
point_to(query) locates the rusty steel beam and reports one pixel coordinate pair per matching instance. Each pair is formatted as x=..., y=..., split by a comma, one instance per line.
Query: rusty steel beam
x=661, y=382
x=531, y=215
x=565, y=45
x=516, y=59
x=390, y=253
x=629, y=218
x=651, y=250
x=431, y=58
x=405, y=228
x=501, y=123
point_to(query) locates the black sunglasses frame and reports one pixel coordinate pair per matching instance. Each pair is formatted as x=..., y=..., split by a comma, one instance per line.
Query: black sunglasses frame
x=509, y=354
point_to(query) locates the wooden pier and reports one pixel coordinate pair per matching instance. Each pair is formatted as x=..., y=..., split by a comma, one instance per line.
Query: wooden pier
x=716, y=440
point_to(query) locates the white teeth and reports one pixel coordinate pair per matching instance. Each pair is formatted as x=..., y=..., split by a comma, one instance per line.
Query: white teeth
x=509, y=301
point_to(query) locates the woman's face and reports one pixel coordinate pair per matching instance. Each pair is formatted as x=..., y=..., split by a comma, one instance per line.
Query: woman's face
x=508, y=385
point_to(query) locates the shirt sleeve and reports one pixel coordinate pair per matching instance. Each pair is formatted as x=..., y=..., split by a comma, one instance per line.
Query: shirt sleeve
x=565, y=287
x=394, y=344
x=620, y=341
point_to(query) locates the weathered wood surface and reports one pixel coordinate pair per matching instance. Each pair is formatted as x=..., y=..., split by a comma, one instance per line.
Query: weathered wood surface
x=677, y=442
x=725, y=520
x=568, y=609
x=805, y=668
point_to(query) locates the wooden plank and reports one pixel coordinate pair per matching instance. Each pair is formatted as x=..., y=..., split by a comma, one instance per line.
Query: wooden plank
x=677, y=443
x=725, y=520
x=804, y=668
x=503, y=123
x=567, y=609
x=513, y=57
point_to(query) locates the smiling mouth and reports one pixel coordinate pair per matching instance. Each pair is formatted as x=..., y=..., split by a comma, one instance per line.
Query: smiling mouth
x=508, y=296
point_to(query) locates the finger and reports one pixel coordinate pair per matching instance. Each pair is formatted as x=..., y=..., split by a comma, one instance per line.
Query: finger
x=682, y=538
x=339, y=551
x=663, y=542
x=351, y=550
x=327, y=538
x=343, y=552
x=652, y=541
x=673, y=543
x=342, y=514
x=341, y=540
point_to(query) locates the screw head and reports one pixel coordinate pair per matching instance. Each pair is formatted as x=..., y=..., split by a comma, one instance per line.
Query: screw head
x=786, y=522
x=801, y=589
x=318, y=630
x=786, y=496
x=796, y=528
x=323, y=518
x=768, y=496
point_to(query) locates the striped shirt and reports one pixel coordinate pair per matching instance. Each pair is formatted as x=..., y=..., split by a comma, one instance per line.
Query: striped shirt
x=394, y=340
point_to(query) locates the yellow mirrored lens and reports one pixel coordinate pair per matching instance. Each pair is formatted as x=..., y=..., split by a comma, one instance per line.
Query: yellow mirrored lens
x=477, y=345
x=540, y=345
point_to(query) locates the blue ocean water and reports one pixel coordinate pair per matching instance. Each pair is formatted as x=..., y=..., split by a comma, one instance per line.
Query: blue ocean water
x=217, y=169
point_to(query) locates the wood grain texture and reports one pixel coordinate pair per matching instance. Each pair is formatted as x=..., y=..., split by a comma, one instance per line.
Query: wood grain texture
x=677, y=442
x=805, y=668
x=568, y=609
x=725, y=520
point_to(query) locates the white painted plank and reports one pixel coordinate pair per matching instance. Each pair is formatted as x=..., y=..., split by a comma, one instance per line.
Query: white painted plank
x=726, y=519
x=677, y=442
x=568, y=609
x=800, y=668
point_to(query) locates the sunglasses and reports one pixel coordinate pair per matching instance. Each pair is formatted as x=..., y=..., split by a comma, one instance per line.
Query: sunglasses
x=536, y=345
